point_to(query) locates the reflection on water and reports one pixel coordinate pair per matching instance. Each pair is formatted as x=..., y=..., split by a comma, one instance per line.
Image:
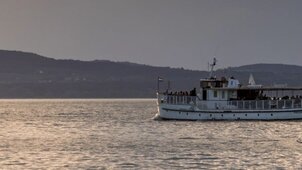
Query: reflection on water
x=118, y=134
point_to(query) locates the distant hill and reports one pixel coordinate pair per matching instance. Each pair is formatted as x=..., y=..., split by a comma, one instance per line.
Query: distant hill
x=28, y=75
x=267, y=74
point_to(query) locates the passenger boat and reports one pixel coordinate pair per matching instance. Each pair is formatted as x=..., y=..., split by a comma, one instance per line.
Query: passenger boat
x=227, y=99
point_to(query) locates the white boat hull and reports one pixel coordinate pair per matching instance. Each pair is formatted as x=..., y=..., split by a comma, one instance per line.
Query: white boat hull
x=174, y=112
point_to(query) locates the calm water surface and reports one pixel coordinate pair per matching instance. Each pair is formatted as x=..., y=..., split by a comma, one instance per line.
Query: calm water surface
x=121, y=134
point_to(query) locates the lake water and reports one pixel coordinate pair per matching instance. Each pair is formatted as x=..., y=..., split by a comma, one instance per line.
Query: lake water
x=121, y=134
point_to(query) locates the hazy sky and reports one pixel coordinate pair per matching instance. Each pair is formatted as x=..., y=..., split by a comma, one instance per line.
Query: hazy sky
x=177, y=33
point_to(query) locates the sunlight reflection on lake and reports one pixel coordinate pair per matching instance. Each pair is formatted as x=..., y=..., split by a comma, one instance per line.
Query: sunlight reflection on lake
x=120, y=133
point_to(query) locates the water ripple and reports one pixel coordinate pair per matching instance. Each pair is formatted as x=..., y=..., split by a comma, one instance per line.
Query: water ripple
x=122, y=134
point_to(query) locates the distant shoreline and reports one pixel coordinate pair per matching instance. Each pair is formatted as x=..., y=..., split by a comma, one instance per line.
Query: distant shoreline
x=1, y=99
x=30, y=76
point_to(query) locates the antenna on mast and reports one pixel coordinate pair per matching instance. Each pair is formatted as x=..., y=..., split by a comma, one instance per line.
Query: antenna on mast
x=208, y=66
x=212, y=67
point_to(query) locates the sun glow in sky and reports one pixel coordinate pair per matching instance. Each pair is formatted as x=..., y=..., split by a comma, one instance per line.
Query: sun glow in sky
x=173, y=33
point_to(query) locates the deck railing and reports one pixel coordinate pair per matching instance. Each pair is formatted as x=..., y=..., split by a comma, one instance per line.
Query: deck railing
x=264, y=104
x=231, y=104
x=177, y=99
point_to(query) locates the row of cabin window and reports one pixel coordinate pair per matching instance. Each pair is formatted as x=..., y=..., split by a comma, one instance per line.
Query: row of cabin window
x=216, y=94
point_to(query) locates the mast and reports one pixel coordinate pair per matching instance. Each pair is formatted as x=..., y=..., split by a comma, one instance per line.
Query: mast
x=212, y=66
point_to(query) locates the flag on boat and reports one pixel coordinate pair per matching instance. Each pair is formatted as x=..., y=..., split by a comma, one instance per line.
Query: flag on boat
x=160, y=79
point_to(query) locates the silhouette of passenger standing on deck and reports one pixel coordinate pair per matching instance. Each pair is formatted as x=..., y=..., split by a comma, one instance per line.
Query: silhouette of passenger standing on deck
x=193, y=92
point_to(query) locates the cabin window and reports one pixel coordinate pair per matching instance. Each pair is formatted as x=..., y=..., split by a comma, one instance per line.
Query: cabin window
x=204, y=84
x=223, y=94
x=215, y=93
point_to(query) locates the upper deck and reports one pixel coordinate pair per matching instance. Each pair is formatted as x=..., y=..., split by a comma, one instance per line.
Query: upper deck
x=273, y=104
x=223, y=94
